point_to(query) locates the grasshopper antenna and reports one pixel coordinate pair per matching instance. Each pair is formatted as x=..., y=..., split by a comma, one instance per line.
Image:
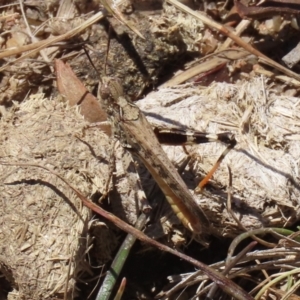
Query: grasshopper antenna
x=107, y=49
x=91, y=62
x=106, y=56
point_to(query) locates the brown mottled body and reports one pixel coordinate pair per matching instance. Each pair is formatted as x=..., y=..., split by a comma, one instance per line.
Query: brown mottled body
x=128, y=118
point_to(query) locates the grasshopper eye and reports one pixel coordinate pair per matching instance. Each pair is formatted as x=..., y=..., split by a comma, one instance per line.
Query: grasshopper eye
x=104, y=91
x=110, y=88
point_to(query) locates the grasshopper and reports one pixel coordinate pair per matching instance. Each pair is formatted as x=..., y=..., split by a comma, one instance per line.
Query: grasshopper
x=131, y=124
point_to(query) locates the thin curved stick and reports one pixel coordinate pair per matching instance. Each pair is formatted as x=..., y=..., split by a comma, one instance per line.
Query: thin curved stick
x=224, y=283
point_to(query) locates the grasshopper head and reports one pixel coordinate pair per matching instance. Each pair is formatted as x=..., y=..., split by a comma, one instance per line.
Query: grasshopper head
x=111, y=92
x=110, y=89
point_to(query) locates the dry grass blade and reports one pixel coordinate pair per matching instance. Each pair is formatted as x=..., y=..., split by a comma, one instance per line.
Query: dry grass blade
x=230, y=266
x=279, y=232
x=224, y=283
x=33, y=38
x=243, y=264
x=209, y=22
x=216, y=60
x=38, y=46
x=276, y=280
x=238, y=30
x=113, y=9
